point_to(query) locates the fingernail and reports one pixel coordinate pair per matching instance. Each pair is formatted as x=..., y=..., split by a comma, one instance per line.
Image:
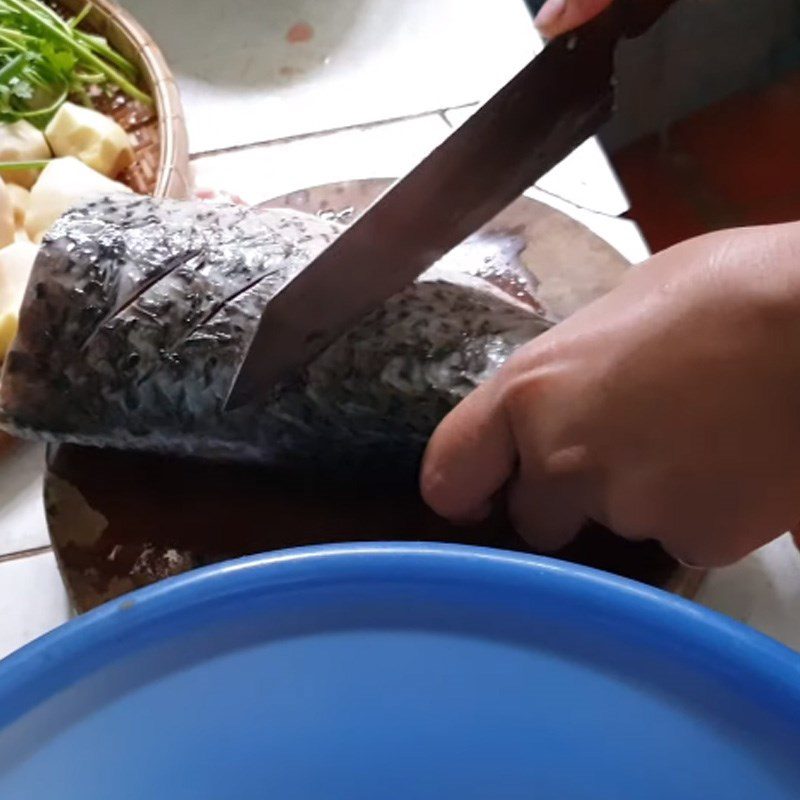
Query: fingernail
x=549, y=13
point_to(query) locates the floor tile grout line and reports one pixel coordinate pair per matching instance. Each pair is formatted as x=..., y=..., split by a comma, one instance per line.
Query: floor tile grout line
x=31, y=551
x=236, y=148
x=578, y=206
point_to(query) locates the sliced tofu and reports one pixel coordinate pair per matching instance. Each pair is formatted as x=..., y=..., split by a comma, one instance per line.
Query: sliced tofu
x=64, y=182
x=20, y=141
x=16, y=262
x=6, y=216
x=90, y=136
x=20, y=198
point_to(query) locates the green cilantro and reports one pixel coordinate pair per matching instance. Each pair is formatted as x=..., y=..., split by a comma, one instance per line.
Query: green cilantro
x=45, y=60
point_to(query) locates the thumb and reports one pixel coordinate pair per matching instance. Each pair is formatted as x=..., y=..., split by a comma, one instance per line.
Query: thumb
x=559, y=16
x=469, y=458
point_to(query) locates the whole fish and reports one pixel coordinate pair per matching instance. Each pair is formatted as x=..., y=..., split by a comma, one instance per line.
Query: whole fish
x=138, y=313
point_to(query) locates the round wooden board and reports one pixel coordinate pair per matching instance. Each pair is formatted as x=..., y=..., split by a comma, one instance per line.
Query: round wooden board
x=119, y=521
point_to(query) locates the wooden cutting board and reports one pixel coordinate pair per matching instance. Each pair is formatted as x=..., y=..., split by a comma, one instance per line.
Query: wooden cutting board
x=121, y=520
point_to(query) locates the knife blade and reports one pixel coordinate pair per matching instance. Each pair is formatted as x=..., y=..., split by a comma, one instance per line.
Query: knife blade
x=551, y=106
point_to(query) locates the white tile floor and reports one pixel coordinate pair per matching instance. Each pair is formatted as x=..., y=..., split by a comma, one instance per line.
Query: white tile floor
x=382, y=150
x=22, y=520
x=399, y=43
x=762, y=590
x=32, y=600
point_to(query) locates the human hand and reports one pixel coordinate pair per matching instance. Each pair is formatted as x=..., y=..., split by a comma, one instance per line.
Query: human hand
x=668, y=409
x=559, y=16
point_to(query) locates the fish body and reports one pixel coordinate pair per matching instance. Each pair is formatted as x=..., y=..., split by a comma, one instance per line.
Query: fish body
x=138, y=313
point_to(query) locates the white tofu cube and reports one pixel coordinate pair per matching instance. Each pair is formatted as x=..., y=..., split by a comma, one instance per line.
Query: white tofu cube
x=20, y=198
x=90, y=136
x=20, y=141
x=6, y=216
x=16, y=262
x=65, y=182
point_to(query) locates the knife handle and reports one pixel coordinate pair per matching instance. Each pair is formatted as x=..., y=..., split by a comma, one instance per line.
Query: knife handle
x=638, y=16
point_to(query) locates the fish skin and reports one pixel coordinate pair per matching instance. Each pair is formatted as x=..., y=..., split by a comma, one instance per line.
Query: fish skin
x=139, y=311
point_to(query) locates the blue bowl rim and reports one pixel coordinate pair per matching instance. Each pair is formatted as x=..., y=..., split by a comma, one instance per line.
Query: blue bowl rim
x=70, y=652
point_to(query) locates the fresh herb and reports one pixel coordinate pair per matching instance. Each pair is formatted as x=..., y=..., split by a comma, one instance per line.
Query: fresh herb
x=38, y=164
x=44, y=60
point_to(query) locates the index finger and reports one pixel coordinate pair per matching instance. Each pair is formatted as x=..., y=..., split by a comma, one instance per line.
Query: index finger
x=469, y=458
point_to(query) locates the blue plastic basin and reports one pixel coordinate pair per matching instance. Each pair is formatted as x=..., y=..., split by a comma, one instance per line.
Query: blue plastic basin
x=400, y=671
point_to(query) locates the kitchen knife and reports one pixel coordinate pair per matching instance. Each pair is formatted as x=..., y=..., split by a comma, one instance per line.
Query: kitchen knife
x=556, y=102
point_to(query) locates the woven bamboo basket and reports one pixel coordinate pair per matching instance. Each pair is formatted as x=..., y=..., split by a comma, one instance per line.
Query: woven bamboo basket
x=158, y=132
